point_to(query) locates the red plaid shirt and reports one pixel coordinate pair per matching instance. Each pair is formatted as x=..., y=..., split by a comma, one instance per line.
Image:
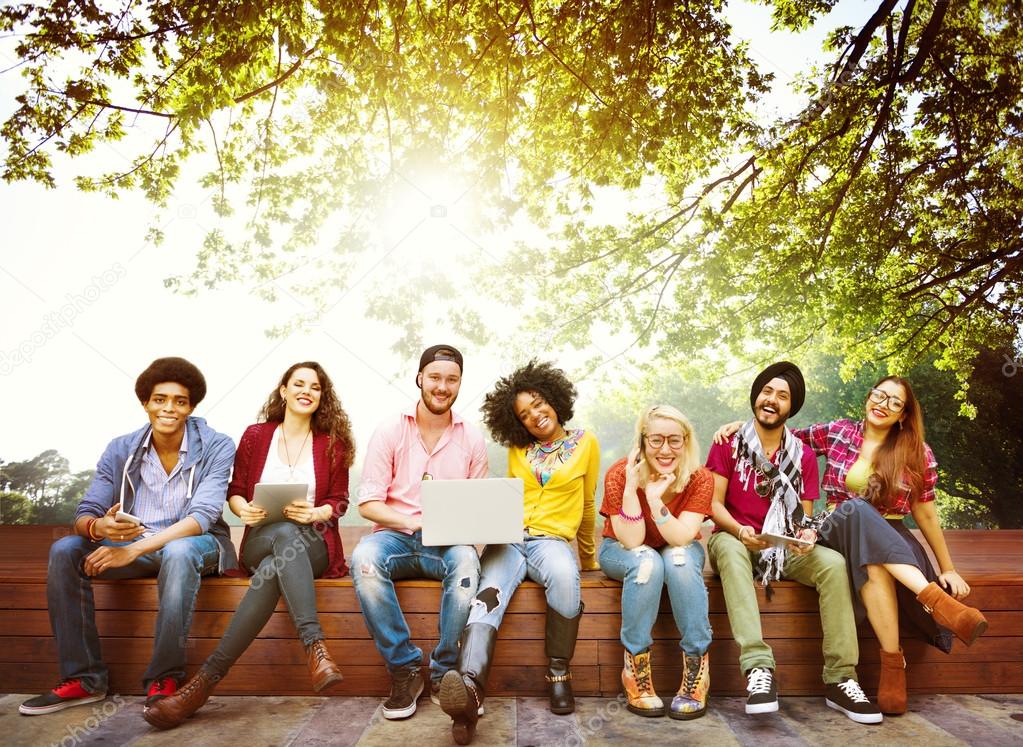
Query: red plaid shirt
x=841, y=441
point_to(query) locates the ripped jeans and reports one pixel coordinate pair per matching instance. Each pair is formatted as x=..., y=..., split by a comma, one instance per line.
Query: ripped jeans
x=549, y=561
x=644, y=572
x=387, y=555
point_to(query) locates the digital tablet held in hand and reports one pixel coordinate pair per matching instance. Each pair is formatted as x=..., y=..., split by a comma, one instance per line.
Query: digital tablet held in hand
x=273, y=497
x=780, y=540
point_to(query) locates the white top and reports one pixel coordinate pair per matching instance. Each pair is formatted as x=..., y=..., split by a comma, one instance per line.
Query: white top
x=276, y=470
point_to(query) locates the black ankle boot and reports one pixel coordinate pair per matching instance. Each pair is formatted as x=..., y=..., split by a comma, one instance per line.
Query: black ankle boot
x=462, y=688
x=560, y=645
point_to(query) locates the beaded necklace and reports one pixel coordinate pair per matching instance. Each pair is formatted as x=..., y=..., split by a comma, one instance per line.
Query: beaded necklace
x=545, y=458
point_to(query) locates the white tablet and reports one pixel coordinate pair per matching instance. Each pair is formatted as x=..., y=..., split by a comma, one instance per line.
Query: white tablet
x=779, y=540
x=273, y=497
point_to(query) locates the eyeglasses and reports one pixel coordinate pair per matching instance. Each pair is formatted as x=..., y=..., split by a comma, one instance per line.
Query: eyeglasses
x=881, y=397
x=656, y=441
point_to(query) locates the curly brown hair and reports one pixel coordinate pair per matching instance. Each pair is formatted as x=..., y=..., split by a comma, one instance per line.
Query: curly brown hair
x=329, y=418
x=499, y=405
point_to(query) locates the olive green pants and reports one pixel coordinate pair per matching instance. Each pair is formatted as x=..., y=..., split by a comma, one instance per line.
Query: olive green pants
x=822, y=568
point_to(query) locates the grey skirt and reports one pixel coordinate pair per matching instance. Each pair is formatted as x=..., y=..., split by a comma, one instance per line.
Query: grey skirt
x=864, y=537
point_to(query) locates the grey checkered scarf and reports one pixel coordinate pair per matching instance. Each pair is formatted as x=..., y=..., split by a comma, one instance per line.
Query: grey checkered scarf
x=786, y=483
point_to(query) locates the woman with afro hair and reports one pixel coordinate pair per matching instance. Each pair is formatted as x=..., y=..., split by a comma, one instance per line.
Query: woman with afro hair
x=559, y=468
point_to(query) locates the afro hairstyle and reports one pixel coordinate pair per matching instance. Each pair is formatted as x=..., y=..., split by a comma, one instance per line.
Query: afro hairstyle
x=176, y=370
x=499, y=406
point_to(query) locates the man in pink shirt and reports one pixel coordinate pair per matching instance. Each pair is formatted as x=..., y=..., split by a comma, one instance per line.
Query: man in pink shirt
x=426, y=441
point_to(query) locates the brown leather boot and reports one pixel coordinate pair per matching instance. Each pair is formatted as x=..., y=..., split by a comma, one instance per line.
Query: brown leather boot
x=891, y=692
x=172, y=711
x=966, y=622
x=322, y=668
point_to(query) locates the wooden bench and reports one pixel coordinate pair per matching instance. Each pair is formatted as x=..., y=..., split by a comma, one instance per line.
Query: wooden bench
x=992, y=562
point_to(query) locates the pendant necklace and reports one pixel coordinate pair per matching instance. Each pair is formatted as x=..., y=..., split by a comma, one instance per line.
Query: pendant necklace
x=291, y=467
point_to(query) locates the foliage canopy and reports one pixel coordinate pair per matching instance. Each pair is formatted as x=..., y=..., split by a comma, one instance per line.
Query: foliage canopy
x=881, y=222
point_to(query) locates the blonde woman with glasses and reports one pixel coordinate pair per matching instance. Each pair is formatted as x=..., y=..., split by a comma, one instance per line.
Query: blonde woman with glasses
x=654, y=503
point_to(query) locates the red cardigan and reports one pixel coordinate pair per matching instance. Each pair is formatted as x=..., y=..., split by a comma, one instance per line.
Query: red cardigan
x=331, y=485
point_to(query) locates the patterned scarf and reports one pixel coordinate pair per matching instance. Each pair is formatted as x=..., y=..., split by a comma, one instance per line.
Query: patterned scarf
x=782, y=484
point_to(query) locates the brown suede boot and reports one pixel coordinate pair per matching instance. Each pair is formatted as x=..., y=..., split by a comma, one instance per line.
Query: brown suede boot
x=322, y=668
x=966, y=622
x=891, y=692
x=172, y=711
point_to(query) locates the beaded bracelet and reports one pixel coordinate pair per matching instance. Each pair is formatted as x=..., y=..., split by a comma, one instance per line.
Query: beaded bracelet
x=629, y=517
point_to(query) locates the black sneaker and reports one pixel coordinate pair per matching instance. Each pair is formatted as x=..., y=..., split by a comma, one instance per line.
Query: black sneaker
x=849, y=698
x=406, y=686
x=66, y=694
x=763, y=691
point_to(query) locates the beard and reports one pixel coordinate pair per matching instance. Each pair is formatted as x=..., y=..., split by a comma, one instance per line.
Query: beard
x=436, y=409
x=769, y=426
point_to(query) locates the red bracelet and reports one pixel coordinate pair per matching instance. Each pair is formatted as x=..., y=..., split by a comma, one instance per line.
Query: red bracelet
x=88, y=530
x=627, y=517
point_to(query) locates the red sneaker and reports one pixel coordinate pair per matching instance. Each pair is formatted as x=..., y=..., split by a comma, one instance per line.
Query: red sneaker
x=66, y=694
x=161, y=688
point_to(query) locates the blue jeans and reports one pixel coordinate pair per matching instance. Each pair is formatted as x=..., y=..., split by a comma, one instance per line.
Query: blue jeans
x=385, y=556
x=643, y=572
x=178, y=566
x=284, y=558
x=547, y=560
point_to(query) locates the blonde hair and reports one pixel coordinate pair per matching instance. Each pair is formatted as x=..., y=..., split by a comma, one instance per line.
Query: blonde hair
x=689, y=457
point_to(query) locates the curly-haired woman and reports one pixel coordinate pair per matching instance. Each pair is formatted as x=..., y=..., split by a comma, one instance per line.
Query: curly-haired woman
x=559, y=468
x=654, y=503
x=304, y=436
x=879, y=469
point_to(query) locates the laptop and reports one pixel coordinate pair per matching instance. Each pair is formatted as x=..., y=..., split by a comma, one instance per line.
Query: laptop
x=472, y=512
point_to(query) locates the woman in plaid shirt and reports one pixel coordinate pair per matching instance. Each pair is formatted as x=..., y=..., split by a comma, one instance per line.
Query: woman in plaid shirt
x=878, y=470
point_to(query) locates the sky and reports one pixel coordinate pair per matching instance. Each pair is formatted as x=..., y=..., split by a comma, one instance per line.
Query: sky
x=85, y=309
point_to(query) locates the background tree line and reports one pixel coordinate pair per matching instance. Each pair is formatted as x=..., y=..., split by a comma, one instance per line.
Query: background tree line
x=980, y=459
x=41, y=490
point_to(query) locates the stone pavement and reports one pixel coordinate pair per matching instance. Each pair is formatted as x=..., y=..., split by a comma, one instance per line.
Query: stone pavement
x=934, y=721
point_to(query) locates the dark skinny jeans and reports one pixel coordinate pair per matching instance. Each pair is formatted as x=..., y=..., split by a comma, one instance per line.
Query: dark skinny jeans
x=284, y=558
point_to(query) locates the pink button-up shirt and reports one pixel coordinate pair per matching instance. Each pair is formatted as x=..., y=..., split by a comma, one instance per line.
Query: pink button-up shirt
x=397, y=461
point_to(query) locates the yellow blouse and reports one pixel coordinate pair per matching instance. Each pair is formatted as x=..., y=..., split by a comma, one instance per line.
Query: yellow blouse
x=564, y=507
x=856, y=481
x=858, y=475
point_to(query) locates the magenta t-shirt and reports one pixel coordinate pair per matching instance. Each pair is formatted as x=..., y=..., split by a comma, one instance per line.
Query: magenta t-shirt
x=745, y=506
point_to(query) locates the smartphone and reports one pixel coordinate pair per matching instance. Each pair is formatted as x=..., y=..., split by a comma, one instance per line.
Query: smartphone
x=639, y=455
x=125, y=516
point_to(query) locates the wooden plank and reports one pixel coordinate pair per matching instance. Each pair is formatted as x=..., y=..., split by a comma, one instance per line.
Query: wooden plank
x=347, y=652
x=523, y=626
x=795, y=651
x=293, y=680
